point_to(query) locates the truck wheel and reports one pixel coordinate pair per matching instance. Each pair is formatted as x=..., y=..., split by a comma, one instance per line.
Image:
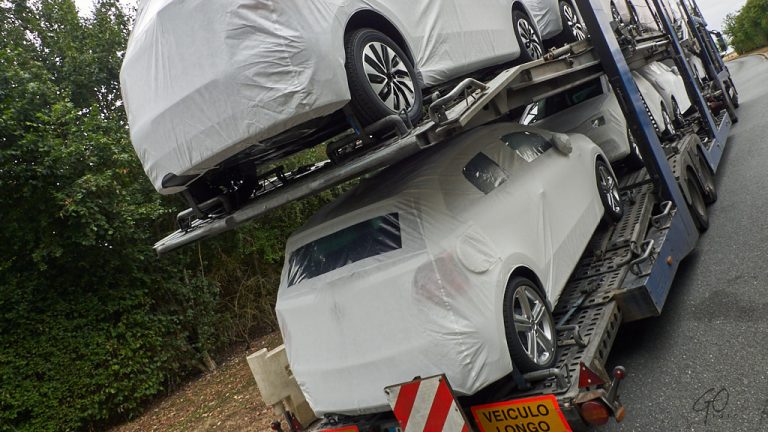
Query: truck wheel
x=529, y=326
x=608, y=188
x=573, y=28
x=708, y=182
x=382, y=80
x=527, y=37
x=697, y=206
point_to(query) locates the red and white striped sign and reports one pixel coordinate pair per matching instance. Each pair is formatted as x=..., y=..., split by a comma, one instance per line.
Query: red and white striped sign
x=426, y=405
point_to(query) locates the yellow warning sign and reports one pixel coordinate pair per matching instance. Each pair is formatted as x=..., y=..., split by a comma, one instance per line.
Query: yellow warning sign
x=536, y=414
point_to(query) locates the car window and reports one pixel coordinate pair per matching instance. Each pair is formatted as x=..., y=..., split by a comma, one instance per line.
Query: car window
x=562, y=101
x=527, y=145
x=484, y=174
x=348, y=245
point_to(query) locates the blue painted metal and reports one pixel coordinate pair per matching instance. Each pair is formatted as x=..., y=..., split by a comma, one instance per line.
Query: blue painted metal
x=682, y=235
x=718, y=133
x=716, y=69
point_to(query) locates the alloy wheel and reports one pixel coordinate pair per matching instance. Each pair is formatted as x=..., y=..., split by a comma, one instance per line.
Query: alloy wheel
x=388, y=76
x=669, y=127
x=572, y=20
x=609, y=188
x=534, y=325
x=615, y=14
x=530, y=39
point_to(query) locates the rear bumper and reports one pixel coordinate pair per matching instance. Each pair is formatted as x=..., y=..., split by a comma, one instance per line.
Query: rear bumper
x=204, y=80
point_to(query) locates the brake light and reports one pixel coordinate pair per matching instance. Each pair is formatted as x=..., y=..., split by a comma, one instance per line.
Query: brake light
x=595, y=412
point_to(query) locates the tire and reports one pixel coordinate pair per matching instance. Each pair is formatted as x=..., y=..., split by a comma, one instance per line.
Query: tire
x=708, y=182
x=697, y=206
x=732, y=93
x=669, y=132
x=608, y=189
x=530, y=330
x=573, y=28
x=634, y=161
x=382, y=80
x=531, y=47
x=677, y=116
x=615, y=14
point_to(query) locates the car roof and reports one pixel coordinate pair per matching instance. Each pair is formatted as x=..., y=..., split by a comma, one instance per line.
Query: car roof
x=416, y=179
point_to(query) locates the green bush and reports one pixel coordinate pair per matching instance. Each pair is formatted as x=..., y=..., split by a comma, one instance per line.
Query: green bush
x=748, y=28
x=92, y=323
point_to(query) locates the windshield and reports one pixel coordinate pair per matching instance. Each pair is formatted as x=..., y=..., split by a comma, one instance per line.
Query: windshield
x=346, y=246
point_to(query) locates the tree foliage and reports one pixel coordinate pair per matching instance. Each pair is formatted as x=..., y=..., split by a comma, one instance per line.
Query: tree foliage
x=92, y=323
x=748, y=28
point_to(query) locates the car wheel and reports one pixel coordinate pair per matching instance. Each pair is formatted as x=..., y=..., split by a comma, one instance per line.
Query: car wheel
x=573, y=28
x=708, y=182
x=677, y=119
x=528, y=38
x=634, y=161
x=669, y=132
x=382, y=80
x=608, y=188
x=697, y=206
x=530, y=328
x=615, y=15
x=732, y=93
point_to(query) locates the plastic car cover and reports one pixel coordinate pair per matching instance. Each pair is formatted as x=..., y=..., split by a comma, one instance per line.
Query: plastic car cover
x=599, y=117
x=668, y=82
x=203, y=80
x=427, y=297
x=546, y=15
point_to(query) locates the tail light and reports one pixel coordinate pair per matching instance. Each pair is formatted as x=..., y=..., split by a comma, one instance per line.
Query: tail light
x=595, y=412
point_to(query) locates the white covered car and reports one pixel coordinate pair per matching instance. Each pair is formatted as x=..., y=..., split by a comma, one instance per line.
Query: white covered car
x=449, y=262
x=593, y=110
x=210, y=84
x=670, y=85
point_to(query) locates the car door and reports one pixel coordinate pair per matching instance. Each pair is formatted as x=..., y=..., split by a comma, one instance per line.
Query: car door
x=450, y=38
x=556, y=191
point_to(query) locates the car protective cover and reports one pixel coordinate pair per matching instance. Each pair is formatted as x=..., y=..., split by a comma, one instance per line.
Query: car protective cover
x=425, y=297
x=668, y=82
x=609, y=132
x=202, y=80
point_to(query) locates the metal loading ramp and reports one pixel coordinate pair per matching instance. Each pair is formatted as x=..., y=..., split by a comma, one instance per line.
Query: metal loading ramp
x=470, y=103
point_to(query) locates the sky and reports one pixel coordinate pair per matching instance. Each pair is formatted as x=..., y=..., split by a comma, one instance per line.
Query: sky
x=714, y=10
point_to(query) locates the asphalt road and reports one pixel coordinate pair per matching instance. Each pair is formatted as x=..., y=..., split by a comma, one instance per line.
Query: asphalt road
x=703, y=364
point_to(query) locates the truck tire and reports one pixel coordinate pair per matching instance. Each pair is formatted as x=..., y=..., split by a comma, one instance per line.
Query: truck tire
x=697, y=206
x=707, y=181
x=529, y=326
x=382, y=80
x=608, y=189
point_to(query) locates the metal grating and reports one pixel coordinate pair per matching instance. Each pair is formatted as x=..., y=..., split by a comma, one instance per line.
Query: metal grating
x=637, y=213
x=592, y=266
x=593, y=291
x=598, y=325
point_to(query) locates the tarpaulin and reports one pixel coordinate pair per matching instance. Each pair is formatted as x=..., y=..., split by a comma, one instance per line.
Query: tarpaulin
x=203, y=80
x=405, y=275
